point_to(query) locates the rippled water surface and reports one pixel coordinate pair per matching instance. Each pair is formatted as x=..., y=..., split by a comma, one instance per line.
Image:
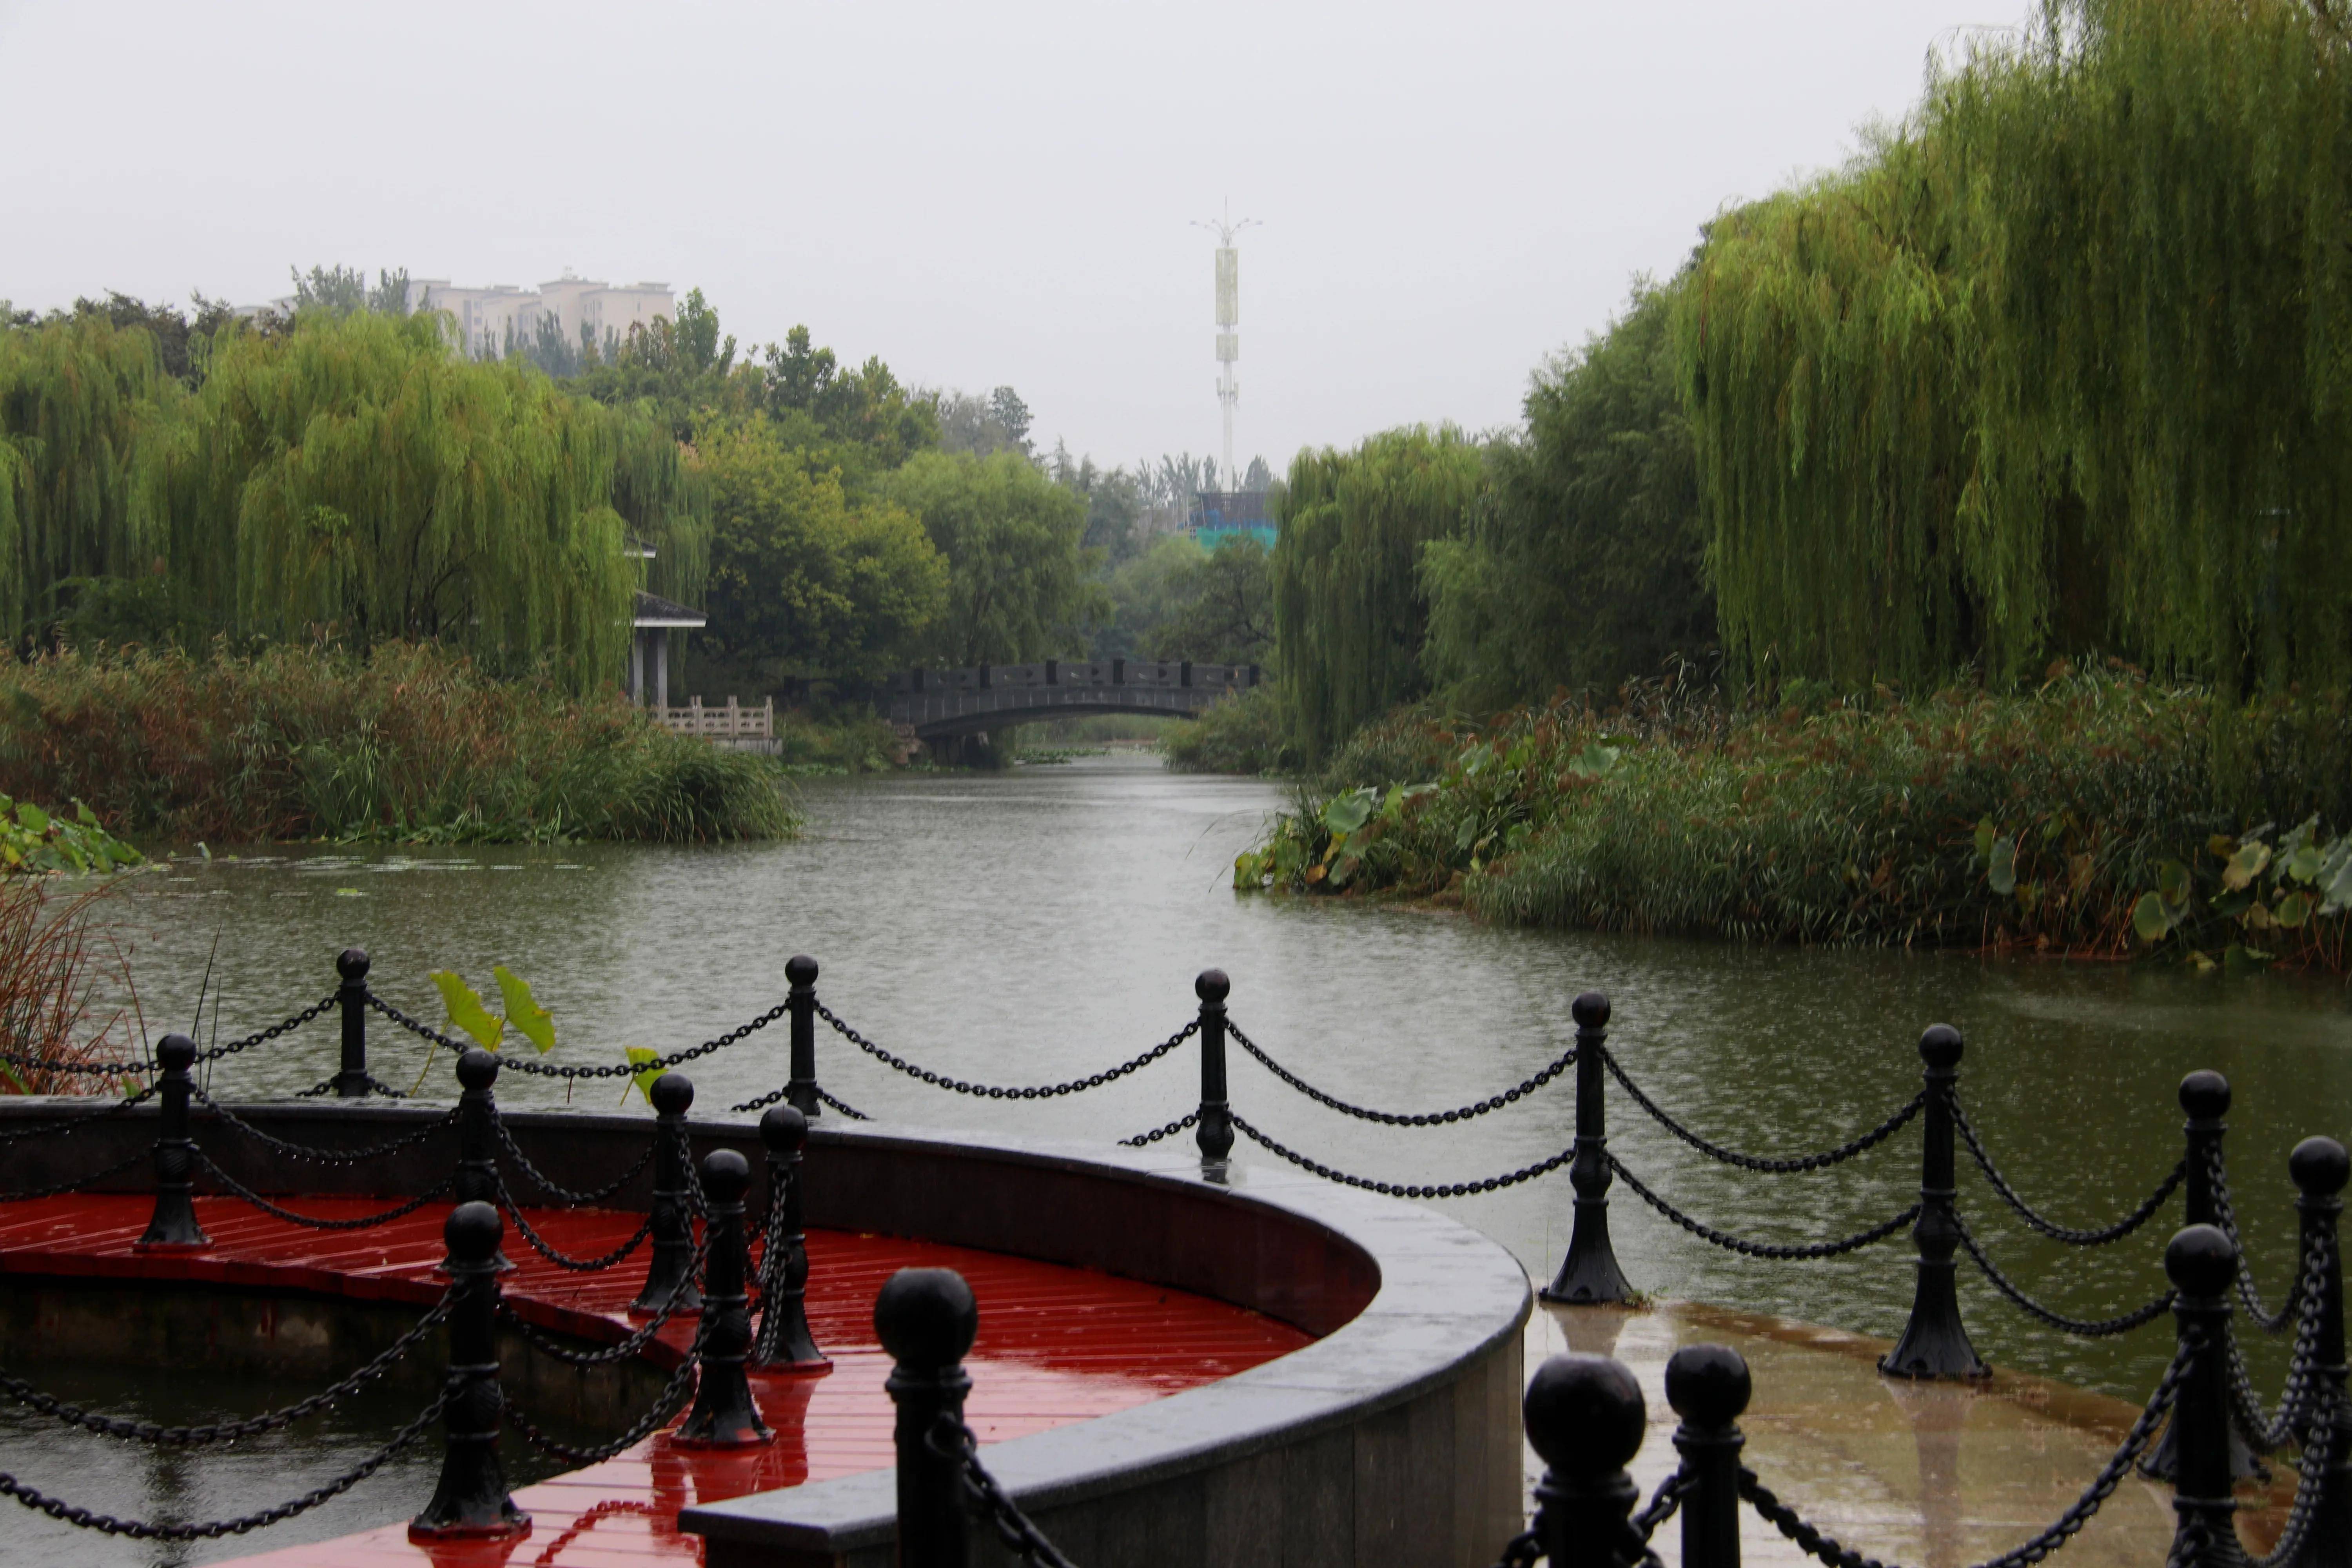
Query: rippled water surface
x=1038, y=925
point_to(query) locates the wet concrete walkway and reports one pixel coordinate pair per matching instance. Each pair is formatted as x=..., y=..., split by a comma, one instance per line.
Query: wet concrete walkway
x=1934, y=1475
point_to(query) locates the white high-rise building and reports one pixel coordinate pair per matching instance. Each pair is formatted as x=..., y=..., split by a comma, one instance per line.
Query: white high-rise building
x=486, y=316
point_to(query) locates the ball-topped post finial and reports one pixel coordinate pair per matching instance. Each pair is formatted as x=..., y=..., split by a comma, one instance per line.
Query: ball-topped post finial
x=2200, y=1260
x=1940, y=1046
x=783, y=1131
x=1591, y=1010
x=472, y=1234
x=477, y=1070
x=1212, y=985
x=2319, y=1167
x=926, y=1318
x=2205, y=1095
x=672, y=1093
x=175, y=1053
x=1584, y=1415
x=1708, y=1385
x=725, y=1175
x=800, y=970
x=351, y=963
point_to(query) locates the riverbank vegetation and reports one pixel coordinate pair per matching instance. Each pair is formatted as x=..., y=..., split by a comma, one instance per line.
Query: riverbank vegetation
x=1896, y=452
x=410, y=743
x=51, y=960
x=2083, y=816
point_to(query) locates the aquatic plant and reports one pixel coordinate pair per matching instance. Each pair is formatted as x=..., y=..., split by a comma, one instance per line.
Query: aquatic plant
x=33, y=840
x=48, y=990
x=410, y=743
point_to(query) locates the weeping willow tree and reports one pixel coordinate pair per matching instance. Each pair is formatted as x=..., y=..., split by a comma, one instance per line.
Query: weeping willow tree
x=2061, y=365
x=1349, y=608
x=352, y=481
x=86, y=419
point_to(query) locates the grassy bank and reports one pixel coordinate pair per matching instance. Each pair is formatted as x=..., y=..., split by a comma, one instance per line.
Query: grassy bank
x=1250, y=733
x=413, y=744
x=2099, y=816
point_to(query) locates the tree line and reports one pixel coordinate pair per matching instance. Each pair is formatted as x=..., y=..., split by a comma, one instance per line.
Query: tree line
x=2055, y=370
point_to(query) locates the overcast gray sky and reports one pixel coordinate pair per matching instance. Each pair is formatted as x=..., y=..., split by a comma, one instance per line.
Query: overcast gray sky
x=979, y=195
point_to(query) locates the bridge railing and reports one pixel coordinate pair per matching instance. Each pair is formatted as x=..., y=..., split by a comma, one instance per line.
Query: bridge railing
x=1178, y=674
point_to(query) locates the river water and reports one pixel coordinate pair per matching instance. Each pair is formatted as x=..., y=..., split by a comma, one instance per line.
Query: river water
x=1033, y=926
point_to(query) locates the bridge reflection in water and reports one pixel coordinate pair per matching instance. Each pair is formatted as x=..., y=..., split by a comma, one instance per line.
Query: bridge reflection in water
x=946, y=704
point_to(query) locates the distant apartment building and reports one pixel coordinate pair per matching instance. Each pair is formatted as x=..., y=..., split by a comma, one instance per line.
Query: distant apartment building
x=583, y=309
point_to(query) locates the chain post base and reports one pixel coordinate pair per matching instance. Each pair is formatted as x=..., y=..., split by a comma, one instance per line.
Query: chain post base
x=1589, y=1275
x=1935, y=1343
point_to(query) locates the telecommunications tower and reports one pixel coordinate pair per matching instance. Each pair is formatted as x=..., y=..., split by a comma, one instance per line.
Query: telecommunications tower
x=1229, y=315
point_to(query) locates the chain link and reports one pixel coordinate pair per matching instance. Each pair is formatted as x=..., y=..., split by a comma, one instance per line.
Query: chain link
x=949, y=1438
x=210, y=1054
x=1524, y=1549
x=619, y=1350
x=564, y=1260
x=374, y=1086
x=2088, y=1328
x=214, y=1053
x=850, y=1111
x=56, y=1189
x=1778, y=1167
x=2267, y=1434
x=1145, y=1140
x=665, y=1409
x=1740, y=1244
x=363, y=1222
x=1663, y=1504
x=1433, y=1119
x=1812, y=1543
x=324, y=1156
x=2217, y=1167
x=990, y=1091
x=623, y=1070
x=142, y=1529
x=72, y=1125
x=1390, y=1189
x=24, y=1394
x=563, y=1194
x=2318, y=1456
x=2056, y=1232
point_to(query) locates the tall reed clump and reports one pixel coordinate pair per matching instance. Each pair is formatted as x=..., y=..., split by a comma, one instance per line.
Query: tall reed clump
x=2042, y=820
x=48, y=991
x=410, y=743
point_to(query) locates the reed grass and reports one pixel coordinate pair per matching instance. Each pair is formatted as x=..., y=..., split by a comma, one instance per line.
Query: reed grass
x=51, y=961
x=410, y=743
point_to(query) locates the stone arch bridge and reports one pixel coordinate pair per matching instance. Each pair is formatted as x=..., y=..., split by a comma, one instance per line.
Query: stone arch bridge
x=946, y=704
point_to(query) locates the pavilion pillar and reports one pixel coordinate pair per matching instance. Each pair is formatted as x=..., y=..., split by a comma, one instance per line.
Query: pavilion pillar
x=661, y=669
x=636, y=667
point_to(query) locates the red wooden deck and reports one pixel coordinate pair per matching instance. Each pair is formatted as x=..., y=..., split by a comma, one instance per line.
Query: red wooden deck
x=1056, y=1345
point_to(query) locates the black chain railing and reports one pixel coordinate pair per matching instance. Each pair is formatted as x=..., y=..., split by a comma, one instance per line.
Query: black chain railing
x=555, y=1255
x=2218, y=1175
x=141, y=1069
x=561, y=1193
x=664, y=1408
x=1827, y=1550
x=313, y=1154
x=2266, y=1432
x=593, y=1070
x=1510, y=1096
x=238, y=1189
x=75, y=1184
x=1398, y=1190
x=850, y=1111
x=2086, y=1327
x=150, y=1432
x=950, y=1439
x=993, y=1092
x=2318, y=1456
x=1784, y=1251
x=214, y=1529
x=71, y=1125
x=1767, y=1165
x=2071, y=1236
x=621, y=1349
x=1145, y=1140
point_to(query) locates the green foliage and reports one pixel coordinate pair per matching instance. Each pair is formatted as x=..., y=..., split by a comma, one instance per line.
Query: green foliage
x=412, y=743
x=2042, y=820
x=33, y=840
x=1249, y=732
x=804, y=580
x=1177, y=600
x=1019, y=582
x=1585, y=568
x=1349, y=606
x=2058, y=366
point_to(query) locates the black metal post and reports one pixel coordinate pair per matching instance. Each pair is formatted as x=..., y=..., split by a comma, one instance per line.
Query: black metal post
x=2200, y=1262
x=1589, y=1275
x=174, y=1220
x=352, y=1081
x=472, y=1501
x=1215, y=1132
x=800, y=1090
x=2205, y=1101
x=478, y=1137
x=724, y=1416
x=1708, y=1386
x=926, y=1319
x=1585, y=1418
x=671, y=1272
x=2320, y=1168
x=1935, y=1343
x=785, y=1344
